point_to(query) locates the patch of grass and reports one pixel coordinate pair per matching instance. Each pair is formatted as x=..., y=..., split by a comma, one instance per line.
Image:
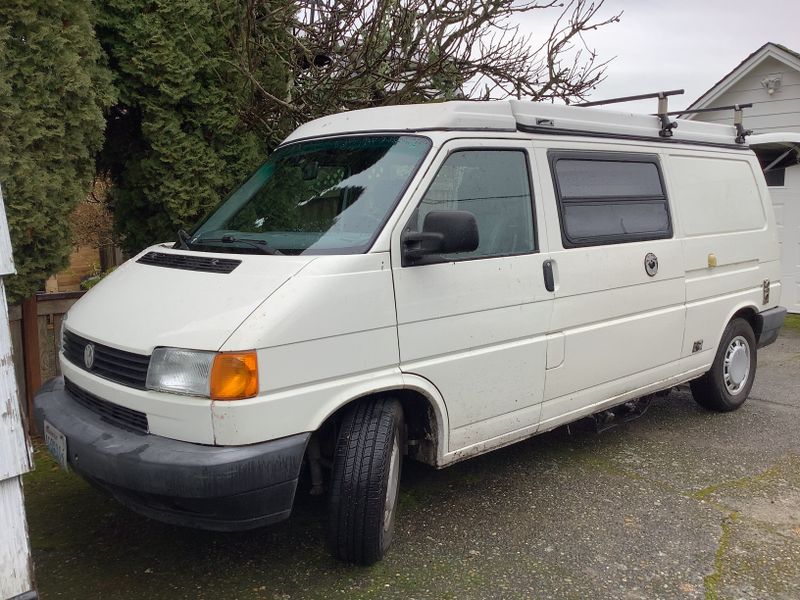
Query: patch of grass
x=792, y=322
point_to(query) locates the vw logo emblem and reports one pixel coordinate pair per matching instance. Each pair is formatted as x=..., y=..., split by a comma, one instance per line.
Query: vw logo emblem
x=88, y=356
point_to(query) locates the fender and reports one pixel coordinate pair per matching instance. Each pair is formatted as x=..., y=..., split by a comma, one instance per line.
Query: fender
x=387, y=382
x=425, y=387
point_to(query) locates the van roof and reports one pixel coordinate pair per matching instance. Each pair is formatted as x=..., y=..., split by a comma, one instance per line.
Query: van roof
x=514, y=115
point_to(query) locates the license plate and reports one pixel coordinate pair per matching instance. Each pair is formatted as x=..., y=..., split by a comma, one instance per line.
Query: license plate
x=57, y=444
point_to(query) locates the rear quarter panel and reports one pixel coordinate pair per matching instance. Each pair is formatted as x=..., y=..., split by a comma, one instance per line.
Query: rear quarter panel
x=724, y=215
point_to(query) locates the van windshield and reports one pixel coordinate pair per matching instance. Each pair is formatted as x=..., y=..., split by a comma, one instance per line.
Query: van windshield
x=329, y=196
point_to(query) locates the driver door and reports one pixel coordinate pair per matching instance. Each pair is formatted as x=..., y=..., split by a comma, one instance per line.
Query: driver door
x=475, y=324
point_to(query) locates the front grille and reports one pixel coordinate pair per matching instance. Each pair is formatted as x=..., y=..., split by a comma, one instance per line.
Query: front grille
x=120, y=366
x=209, y=264
x=108, y=411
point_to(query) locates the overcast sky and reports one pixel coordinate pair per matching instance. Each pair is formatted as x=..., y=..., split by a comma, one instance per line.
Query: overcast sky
x=689, y=44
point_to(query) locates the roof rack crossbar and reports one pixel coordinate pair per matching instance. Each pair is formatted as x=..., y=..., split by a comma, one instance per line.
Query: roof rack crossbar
x=631, y=98
x=712, y=109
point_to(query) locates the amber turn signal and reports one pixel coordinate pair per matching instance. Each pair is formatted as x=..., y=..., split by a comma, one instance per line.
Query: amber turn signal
x=234, y=376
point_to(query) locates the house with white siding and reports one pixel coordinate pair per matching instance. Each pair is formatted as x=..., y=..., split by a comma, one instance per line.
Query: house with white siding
x=769, y=79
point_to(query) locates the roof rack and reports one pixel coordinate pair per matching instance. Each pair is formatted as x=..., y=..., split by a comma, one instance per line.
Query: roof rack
x=664, y=113
x=738, y=112
x=666, y=125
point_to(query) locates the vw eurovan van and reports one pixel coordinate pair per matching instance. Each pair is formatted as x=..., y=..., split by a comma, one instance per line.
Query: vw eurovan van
x=415, y=282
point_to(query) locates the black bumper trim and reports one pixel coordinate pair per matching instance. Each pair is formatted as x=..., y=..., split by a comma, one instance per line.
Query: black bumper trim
x=212, y=487
x=768, y=325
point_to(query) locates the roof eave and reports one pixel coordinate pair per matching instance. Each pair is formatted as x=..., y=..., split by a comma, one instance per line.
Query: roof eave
x=770, y=49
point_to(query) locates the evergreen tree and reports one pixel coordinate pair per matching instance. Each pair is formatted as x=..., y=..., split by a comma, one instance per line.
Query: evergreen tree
x=177, y=139
x=53, y=87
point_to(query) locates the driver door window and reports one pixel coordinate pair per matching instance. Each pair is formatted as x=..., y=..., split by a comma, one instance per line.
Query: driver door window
x=494, y=185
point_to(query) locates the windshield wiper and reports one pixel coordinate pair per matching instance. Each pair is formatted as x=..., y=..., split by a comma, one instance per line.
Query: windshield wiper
x=184, y=240
x=261, y=245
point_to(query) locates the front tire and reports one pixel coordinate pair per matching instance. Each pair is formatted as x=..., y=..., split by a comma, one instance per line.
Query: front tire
x=726, y=386
x=365, y=481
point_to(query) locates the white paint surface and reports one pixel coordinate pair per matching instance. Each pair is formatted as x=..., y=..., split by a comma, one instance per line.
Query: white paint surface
x=15, y=457
x=786, y=201
x=15, y=560
x=706, y=186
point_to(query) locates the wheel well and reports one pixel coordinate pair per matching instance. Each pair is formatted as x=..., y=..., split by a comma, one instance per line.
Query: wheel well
x=422, y=433
x=748, y=314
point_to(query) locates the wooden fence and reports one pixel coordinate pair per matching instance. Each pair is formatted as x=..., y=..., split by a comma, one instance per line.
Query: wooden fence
x=36, y=358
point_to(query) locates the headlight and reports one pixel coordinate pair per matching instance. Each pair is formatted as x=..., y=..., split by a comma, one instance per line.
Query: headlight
x=180, y=371
x=215, y=375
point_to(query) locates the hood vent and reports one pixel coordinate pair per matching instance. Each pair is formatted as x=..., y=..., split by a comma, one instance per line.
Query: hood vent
x=207, y=264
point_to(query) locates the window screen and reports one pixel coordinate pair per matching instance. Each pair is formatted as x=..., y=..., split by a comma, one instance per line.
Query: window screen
x=494, y=186
x=607, y=198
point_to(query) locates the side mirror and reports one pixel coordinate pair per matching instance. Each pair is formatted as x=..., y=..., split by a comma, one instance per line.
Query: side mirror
x=443, y=232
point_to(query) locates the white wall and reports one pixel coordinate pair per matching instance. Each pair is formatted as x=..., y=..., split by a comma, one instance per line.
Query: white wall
x=786, y=201
x=777, y=112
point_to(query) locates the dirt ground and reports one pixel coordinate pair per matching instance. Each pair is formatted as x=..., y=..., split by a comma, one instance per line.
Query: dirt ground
x=681, y=503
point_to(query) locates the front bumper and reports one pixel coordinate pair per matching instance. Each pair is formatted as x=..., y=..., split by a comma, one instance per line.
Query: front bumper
x=223, y=488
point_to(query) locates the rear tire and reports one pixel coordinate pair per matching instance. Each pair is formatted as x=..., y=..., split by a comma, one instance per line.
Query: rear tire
x=365, y=481
x=726, y=386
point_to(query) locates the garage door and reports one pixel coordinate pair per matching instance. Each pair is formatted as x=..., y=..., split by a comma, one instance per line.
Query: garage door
x=786, y=200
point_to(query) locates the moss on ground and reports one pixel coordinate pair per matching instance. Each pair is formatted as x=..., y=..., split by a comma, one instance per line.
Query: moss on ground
x=86, y=545
x=792, y=322
x=712, y=581
x=740, y=483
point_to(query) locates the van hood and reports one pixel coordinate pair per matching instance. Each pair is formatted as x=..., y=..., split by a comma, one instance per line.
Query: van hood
x=141, y=306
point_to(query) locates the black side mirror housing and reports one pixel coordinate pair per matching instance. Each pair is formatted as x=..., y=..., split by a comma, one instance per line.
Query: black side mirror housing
x=443, y=232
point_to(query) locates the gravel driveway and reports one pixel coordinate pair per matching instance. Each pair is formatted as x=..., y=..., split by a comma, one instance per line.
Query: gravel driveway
x=678, y=504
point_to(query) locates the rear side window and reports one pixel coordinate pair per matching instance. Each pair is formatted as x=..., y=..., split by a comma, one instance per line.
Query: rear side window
x=609, y=198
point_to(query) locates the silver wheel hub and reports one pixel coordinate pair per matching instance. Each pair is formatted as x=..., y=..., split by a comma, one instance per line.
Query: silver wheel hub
x=392, y=485
x=736, y=366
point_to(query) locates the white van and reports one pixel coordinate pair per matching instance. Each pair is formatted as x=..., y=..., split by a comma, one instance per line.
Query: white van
x=430, y=281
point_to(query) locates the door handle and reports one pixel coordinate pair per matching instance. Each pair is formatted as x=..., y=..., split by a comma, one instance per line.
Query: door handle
x=549, y=279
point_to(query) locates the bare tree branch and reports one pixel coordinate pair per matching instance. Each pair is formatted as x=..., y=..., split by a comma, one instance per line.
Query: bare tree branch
x=351, y=54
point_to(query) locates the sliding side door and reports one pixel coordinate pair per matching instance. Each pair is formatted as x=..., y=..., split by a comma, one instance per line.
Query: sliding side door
x=618, y=316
